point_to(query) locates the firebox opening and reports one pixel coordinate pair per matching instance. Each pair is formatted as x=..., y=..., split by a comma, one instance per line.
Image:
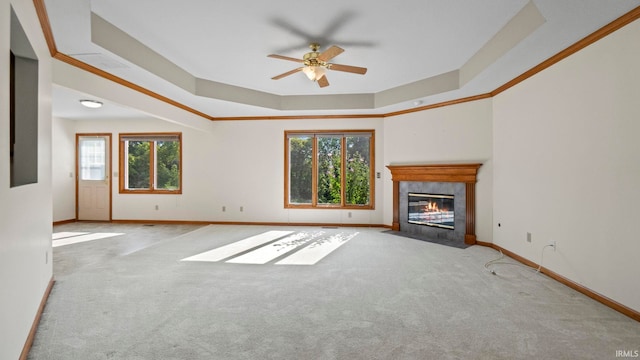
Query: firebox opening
x=431, y=210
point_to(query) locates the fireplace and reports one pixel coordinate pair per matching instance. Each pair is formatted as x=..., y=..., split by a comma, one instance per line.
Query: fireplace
x=456, y=179
x=432, y=210
x=435, y=210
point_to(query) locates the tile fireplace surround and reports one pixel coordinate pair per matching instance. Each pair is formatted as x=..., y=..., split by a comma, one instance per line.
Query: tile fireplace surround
x=465, y=174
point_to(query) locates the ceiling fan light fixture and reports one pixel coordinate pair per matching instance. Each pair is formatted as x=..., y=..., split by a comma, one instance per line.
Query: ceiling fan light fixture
x=319, y=72
x=315, y=65
x=93, y=104
x=314, y=73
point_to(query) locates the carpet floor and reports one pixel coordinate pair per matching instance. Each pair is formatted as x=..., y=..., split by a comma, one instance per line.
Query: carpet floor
x=134, y=292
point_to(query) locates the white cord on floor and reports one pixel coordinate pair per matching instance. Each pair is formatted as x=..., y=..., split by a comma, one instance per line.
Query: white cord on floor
x=542, y=256
x=491, y=262
x=498, y=262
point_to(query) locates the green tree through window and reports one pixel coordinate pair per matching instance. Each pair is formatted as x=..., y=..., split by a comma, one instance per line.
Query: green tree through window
x=358, y=170
x=152, y=163
x=168, y=165
x=301, y=178
x=329, y=169
x=138, y=165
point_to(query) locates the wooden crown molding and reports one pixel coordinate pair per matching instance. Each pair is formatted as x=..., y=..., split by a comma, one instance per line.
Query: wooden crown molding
x=43, y=16
x=613, y=26
x=300, y=117
x=608, y=29
x=103, y=74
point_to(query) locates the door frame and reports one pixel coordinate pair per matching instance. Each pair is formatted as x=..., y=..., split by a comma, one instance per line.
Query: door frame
x=109, y=170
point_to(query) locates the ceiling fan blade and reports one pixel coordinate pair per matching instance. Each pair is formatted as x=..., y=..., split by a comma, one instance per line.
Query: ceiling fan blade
x=348, y=68
x=277, y=77
x=282, y=57
x=323, y=81
x=330, y=53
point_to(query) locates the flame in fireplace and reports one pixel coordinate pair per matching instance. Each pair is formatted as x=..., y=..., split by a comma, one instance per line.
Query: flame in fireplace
x=431, y=210
x=432, y=206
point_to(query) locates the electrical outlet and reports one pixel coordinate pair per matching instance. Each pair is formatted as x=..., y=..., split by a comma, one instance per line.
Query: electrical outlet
x=224, y=208
x=157, y=207
x=241, y=208
x=349, y=214
x=528, y=237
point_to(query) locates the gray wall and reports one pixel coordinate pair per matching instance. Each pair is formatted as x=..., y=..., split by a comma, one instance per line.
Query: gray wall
x=24, y=159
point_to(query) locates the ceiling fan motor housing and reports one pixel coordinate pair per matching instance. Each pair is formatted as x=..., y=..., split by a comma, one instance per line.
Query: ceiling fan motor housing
x=311, y=59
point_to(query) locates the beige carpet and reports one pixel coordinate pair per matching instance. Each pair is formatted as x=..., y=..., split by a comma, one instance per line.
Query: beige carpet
x=364, y=295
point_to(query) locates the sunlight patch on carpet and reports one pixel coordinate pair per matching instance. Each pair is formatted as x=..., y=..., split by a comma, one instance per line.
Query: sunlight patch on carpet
x=267, y=253
x=307, y=248
x=84, y=237
x=317, y=250
x=237, y=247
x=66, y=234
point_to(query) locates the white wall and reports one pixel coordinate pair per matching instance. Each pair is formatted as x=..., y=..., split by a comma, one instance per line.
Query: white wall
x=63, y=173
x=567, y=166
x=194, y=202
x=253, y=176
x=236, y=164
x=25, y=211
x=231, y=164
x=452, y=134
x=241, y=164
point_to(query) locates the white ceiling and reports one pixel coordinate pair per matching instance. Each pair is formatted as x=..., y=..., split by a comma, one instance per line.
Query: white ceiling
x=225, y=45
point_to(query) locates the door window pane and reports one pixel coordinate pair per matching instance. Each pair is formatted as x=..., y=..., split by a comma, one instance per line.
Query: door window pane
x=92, y=159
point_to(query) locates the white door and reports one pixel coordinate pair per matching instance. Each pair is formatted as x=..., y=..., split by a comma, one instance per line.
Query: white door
x=94, y=184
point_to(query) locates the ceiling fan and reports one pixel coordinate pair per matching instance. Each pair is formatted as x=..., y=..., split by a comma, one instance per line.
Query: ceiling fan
x=315, y=64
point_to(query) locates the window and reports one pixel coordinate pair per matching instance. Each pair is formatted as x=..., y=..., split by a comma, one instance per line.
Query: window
x=329, y=169
x=92, y=160
x=151, y=163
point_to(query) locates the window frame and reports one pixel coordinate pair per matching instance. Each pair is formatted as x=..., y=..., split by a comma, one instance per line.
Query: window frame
x=153, y=137
x=314, y=169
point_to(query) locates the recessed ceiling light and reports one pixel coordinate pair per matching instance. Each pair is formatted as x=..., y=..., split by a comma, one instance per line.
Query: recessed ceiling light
x=91, y=103
x=417, y=102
